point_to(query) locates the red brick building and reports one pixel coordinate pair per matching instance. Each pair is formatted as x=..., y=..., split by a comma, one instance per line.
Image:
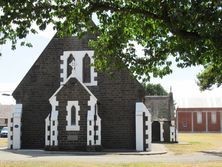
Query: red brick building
x=199, y=115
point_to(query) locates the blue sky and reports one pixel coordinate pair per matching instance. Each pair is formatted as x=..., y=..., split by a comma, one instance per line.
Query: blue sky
x=15, y=64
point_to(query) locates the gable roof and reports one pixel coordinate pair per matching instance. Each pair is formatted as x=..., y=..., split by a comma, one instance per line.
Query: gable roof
x=51, y=56
x=161, y=107
x=45, y=72
x=68, y=79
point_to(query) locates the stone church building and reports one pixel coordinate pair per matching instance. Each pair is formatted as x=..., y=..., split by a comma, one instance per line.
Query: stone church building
x=63, y=103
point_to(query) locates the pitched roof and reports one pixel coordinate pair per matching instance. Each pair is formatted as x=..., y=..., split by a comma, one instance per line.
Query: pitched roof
x=6, y=110
x=71, y=77
x=199, y=103
x=51, y=54
x=161, y=107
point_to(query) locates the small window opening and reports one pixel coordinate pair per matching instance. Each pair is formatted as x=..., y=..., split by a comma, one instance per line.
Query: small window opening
x=73, y=115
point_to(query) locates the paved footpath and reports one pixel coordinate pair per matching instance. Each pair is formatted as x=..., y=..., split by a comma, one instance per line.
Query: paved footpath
x=109, y=157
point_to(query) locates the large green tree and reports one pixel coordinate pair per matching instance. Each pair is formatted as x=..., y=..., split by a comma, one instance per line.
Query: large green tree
x=188, y=30
x=154, y=89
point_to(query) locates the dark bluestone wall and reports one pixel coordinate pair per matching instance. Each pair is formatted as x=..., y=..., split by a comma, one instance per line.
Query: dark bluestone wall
x=39, y=84
x=117, y=97
x=72, y=140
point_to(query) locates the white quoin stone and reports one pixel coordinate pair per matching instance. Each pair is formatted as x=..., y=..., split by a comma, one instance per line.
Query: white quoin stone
x=77, y=66
x=54, y=128
x=16, y=124
x=10, y=125
x=91, y=122
x=172, y=134
x=161, y=131
x=69, y=126
x=149, y=130
x=47, y=131
x=140, y=109
x=139, y=127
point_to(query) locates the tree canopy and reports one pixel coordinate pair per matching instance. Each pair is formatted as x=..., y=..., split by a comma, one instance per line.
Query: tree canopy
x=154, y=89
x=190, y=31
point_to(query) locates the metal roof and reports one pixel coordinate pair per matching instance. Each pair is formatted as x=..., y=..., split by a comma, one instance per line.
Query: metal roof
x=199, y=103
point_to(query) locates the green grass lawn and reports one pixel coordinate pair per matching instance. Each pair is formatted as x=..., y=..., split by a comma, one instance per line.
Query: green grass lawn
x=194, y=142
x=189, y=143
x=3, y=142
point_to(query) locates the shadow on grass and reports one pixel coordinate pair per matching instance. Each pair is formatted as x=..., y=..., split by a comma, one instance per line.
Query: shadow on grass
x=215, y=153
x=43, y=153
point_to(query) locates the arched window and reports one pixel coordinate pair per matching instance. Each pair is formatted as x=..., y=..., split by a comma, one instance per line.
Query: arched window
x=70, y=67
x=86, y=69
x=73, y=115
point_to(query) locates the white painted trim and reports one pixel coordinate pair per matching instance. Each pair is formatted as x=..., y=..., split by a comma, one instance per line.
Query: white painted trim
x=53, y=123
x=98, y=132
x=10, y=133
x=140, y=109
x=161, y=131
x=53, y=97
x=199, y=117
x=90, y=132
x=149, y=131
x=78, y=73
x=172, y=134
x=69, y=126
x=213, y=117
x=47, y=132
x=90, y=117
x=206, y=121
x=139, y=131
x=54, y=129
x=78, y=56
x=16, y=133
x=90, y=127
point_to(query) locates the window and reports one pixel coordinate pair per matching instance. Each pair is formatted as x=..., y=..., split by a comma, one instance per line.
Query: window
x=213, y=117
x=70, y=65
x=73, y=115
x=86, y=69
x=199, y=117
x=184, y=124
x=78, y=64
